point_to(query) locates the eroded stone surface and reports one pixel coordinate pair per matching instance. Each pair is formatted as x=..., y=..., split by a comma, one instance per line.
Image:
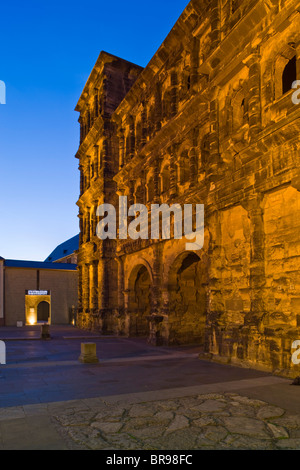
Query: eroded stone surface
x=242, y=423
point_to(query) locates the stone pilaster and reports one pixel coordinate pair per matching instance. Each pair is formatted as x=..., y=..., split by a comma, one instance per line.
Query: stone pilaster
x=215, y=23
x=95, y=286
x=173, y=174
x=213, y=166
x=86, y=288
x=257, y=261
x=193, y=166
x=121, y=148
x=80, y=288
x=156, y=181
x=254, y=94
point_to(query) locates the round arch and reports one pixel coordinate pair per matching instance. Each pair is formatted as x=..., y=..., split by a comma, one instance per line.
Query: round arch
x=43, y=311
x=139, y=299
x=187, y=299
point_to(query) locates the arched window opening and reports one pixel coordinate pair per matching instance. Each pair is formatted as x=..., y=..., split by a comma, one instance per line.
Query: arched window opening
x=289, y=75
x=239, y=110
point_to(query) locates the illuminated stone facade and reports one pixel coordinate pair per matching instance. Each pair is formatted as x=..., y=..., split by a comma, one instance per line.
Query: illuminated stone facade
x=210, y=120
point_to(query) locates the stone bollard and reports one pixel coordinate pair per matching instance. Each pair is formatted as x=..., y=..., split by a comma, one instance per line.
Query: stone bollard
x=88, y=353
x=45, y=331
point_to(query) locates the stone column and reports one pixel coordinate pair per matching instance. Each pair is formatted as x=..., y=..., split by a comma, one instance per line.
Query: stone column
x=81, y=130
x=132, y=140
x=215, y=303
x=121, y=280
x=131, y=193
x=257, y=260
x=101, y=283
x=193, y=166
x=121, y=148
x=95, y=286
x=156, y=181
x=174, y=86
x=254, y=100
x=81, y=180
x=158, y=107
x=144, y=125
x=213, y=165
x=86, y=287
x=215, y=23
x=80, y=288
x=195, y=54
x=105, y=156
x=173, y=174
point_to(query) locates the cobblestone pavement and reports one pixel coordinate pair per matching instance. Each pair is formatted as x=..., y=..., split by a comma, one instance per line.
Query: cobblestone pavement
x=212, y=422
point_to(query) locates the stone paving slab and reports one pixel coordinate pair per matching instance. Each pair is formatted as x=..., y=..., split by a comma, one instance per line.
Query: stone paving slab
x=212, y=417
x=213, y=421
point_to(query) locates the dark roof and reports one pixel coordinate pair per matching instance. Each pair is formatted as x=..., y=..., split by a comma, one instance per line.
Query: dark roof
x=65, y=249
x=13, y=263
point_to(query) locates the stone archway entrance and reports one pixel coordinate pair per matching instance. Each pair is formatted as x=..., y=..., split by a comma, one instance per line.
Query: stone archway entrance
x=43, y=311
x=37, y=307
x=187, y=308
x=139, y=307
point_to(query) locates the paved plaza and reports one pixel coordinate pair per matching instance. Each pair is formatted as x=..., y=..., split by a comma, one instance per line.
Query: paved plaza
x=138, y=397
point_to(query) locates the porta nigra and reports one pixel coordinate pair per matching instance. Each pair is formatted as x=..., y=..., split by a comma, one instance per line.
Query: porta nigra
x=211, y=121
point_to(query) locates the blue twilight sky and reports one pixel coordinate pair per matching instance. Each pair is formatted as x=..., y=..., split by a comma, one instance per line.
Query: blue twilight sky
x=47, y=51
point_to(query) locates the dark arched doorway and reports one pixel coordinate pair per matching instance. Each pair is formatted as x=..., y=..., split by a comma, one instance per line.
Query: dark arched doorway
x=43, y=312
x=187, y=289
x=140, y=304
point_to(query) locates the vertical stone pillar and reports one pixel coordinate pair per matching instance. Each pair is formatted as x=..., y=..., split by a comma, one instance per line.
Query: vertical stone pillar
x=131, y=193
x=195, y=63
x=88, y=224
x=81, y=227
x=105, y=156
x=173, y=173
x=144, y=125
x=215, y=303
x=156, y=181
x=86, y=287
x=213, y=167
x=101, y=282
x=94, y=219
x=95, y=286
x=96, y=161
x=215, y=23
x=121, y=281
x=158, y=107
x=174, y=86
x=156, y=278
x=121, y=148
x=80, y=288
x=81, y=180
x=81, y=130
x=193, y=166
x=257, y=266
x=131, y=137
x=254, y=100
